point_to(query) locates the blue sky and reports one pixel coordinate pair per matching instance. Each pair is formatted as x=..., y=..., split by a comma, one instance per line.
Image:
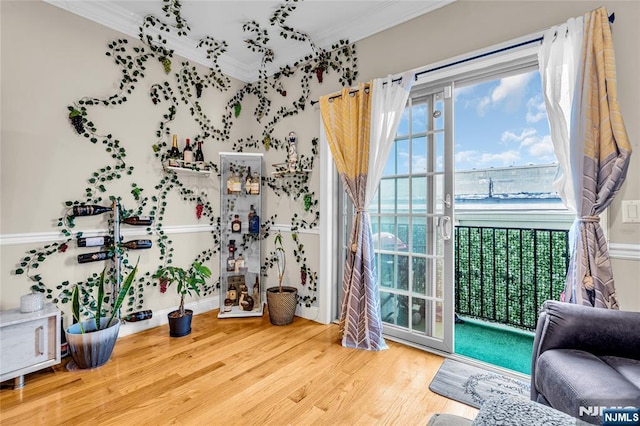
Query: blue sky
x=498, y=123
x=502, y=123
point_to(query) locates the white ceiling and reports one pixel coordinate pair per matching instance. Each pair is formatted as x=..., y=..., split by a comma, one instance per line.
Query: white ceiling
x=325, y=21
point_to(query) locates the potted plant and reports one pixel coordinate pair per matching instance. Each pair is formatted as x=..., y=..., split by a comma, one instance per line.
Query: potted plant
x=187, y=282
x=281, y=300
x=91, y=342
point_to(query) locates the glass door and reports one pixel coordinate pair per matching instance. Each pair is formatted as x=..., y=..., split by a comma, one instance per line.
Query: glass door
x=412, y=224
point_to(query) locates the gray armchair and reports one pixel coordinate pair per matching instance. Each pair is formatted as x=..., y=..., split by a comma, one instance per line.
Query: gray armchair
x=586, y=358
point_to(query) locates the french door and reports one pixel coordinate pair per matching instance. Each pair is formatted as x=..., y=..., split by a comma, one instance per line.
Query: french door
x=412, y=224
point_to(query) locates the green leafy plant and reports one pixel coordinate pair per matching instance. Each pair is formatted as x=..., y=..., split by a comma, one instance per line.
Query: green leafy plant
x=97, y=312
x=281, y=259
x=187, y=281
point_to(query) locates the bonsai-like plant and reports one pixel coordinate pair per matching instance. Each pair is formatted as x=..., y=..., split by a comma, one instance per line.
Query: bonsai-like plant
x=96, y=310
x=281, y=259
x=187, y=281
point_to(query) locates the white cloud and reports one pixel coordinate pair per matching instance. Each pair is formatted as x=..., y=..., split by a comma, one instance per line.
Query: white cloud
x=482, y=105
x=542, y=148
x=536, y=109
x=509, y=136
x=513, y=87
x=485, y=159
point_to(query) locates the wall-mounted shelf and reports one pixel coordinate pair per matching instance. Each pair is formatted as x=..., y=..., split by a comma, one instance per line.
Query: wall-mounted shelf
x=195, y=170
x=282, y=170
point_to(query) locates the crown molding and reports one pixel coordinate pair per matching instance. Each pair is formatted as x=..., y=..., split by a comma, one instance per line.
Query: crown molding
x=381, y=16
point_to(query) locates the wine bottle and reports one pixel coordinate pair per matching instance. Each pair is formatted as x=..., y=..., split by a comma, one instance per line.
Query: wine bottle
x=138, y=316
x=95, y=241
x=89, y=210
x=94, y=257
x=199, y=154
x=174, y=152
x=187, y=153
x=138, y=220
x=137, y=244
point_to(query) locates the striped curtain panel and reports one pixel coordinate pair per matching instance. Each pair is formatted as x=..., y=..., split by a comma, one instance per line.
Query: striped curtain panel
x=346, y=119
x=578, y=71
x=601, y=151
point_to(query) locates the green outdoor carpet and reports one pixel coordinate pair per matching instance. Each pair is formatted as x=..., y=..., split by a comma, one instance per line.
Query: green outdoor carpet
x=504, y=347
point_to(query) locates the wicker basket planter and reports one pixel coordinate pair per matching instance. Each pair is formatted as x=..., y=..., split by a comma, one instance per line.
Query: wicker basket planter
x=282, y=306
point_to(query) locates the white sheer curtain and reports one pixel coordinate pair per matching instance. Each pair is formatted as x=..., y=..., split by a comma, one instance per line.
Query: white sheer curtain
x=387, y=105
x=558, y=59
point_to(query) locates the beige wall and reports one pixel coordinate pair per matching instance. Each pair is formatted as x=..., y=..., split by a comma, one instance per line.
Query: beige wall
x=51, y=58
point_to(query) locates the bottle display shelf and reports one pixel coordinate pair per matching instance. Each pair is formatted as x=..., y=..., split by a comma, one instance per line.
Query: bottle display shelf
x=192, y=169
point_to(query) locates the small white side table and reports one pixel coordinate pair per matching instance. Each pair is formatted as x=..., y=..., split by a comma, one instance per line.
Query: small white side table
x=28, y=342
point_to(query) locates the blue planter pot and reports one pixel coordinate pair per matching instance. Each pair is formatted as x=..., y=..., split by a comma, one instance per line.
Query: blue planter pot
x=92, y=348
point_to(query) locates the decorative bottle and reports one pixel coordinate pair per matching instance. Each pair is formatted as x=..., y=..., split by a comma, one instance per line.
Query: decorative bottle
x=95, y=241
x=254, y=221
x=138, y=316
x=89, y=210
x=187, y=153
x=232, y=293
x=94, y=257
x=236, y=224
x=230, y=182
x=138, y=220
x=137, y=244
x=231, y=261
x=199, y=156
x=239, y=263
x=237, y=184
x=255, y=184
x=174, y=152
x=247, y=181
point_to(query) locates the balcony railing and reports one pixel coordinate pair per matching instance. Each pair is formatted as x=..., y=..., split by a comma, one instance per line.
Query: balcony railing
x=505, y=274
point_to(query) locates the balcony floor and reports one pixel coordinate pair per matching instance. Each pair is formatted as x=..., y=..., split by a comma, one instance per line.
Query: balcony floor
x=496, y=344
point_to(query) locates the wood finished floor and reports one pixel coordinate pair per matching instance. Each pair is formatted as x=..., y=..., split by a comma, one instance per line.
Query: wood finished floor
x=236, y=371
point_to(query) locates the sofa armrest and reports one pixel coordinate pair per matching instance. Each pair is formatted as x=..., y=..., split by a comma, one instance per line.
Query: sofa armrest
x=595, y=330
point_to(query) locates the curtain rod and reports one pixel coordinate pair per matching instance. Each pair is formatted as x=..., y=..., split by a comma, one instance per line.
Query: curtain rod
x=612, y=18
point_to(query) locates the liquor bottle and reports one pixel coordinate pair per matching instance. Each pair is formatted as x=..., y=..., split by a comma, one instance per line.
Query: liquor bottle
x=174, y=152
x=231, y=261
x=236, y=186
x=95, y=241
x=89, y=210
x=232, y=293
x=255, y=184
x=138, y=316
x=254, y=221
x=239, y=263
x=94, y=257
x=256, y=292
x=230, y=182
x=247, y=181
x=138, y=220
x=236, y=224
x=187, y=153
x=137, y=244
x=247, y=303
x=199, y=156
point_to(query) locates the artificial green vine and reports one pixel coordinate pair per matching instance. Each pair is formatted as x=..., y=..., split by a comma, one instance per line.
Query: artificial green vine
x=190, y=86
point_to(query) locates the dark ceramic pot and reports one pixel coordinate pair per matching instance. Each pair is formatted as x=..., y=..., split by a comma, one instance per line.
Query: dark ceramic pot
x=180, y=326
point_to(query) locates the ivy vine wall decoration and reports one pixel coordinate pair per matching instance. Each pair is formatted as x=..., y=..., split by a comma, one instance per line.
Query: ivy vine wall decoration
x=183, y=88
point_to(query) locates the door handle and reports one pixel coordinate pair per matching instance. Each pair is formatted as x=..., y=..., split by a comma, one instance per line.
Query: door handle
x=447, y=201
x=40, y=340
x=445, y=227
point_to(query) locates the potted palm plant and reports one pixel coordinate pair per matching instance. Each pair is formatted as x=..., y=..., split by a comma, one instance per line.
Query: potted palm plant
x=281, y=300
x=91, y=342
x=187, y=282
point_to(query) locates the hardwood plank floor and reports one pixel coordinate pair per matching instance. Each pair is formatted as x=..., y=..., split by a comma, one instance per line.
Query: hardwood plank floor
x=236, y=371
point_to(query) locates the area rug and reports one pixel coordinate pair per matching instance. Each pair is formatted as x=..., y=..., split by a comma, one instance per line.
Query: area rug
x=473, y=385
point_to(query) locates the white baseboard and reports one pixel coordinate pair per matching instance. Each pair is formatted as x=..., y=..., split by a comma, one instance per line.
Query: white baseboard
x=160, y=317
